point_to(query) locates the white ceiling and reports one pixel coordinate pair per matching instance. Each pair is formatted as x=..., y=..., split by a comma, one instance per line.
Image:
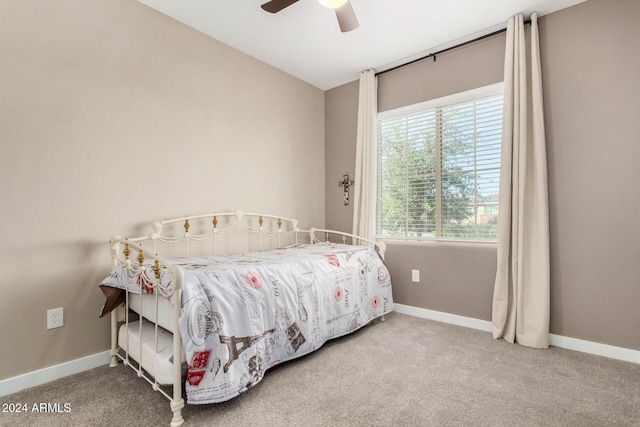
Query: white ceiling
x=305, y=41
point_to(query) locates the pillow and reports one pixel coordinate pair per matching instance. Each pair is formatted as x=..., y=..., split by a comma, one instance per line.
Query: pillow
x=114, y=296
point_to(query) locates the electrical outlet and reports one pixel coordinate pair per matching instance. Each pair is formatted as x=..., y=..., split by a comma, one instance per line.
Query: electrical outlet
x=415, y=275
x=55, y=318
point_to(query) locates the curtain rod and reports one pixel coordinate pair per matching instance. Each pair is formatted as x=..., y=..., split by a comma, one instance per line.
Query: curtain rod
x=435, y=54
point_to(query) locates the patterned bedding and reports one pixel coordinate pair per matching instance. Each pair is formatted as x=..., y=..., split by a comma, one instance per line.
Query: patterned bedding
x=245, y=313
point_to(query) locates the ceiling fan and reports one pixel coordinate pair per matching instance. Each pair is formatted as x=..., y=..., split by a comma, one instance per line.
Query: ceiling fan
x=344, y=11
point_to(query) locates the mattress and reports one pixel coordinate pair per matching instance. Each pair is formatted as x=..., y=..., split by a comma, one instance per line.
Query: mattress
x=159, y=365
x=148, y=309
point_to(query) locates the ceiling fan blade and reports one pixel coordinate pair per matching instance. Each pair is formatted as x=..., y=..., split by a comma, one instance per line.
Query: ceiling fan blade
x=346, y=17
x=274, y=6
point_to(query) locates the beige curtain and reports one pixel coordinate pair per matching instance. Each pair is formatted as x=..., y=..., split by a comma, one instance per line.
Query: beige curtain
x=521, y=292
x=364, y=189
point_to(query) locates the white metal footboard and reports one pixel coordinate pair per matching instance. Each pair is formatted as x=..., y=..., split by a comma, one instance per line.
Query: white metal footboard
x=345, y=238
x=122, y=314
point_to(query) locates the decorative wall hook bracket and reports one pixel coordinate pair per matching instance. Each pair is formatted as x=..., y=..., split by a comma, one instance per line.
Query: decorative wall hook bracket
x=345, y=183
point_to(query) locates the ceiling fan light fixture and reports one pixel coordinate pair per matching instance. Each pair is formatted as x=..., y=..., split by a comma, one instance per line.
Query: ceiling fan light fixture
x=332, y=4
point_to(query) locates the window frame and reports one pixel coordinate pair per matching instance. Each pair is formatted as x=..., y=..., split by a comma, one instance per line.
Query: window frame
x=442, y=102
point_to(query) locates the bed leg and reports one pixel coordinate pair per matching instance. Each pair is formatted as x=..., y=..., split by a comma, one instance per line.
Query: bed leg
x=176, y=407
x=114, y=339
x=177, y=403
x=382, y=318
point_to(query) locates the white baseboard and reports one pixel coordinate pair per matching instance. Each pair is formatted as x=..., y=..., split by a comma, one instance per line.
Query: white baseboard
x=439, y=316
x=42, y=376
x=612, y=352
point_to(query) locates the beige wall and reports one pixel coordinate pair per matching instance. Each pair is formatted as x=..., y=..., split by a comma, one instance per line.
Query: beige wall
x=591, y=71
x=111, y=116
x=341, y=118
x=468, y=67
x=591, y=90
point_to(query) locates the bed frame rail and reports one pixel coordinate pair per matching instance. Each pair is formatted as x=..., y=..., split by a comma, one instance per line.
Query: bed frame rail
x=345, y=238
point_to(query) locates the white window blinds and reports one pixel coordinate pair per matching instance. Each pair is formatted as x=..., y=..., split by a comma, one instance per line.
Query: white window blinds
x=439, y=168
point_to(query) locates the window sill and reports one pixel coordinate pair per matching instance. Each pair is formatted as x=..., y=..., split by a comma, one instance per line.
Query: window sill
x=436, y=243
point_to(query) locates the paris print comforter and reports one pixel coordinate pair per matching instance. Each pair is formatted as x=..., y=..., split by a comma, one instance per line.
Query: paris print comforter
x=245, y=313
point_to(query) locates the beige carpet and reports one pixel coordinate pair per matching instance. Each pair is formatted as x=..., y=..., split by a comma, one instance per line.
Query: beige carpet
x=403, y=372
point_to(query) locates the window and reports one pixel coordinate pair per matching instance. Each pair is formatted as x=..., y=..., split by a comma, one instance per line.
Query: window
x=439, y=168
